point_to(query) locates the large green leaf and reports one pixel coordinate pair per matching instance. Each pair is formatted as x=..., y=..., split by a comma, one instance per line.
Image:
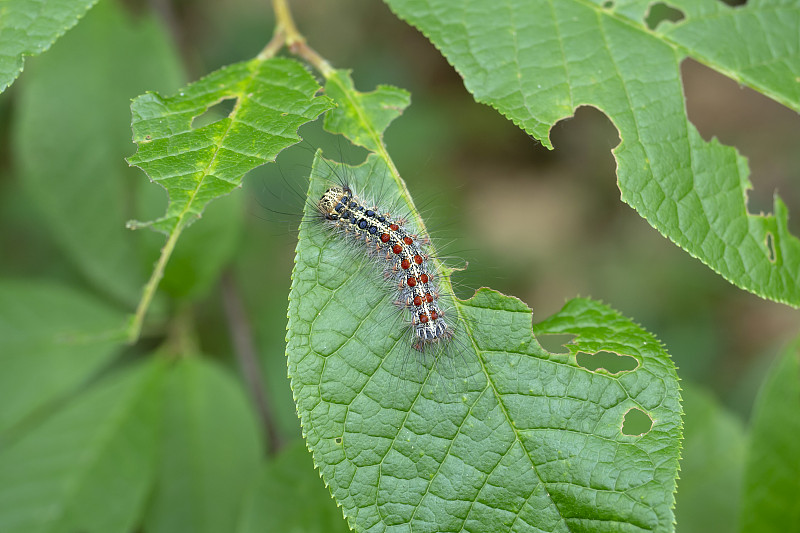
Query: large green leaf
x=498, y=434
x=772, y=471
x=535, y=61
x=52, y=338
x=273, y=97
x=72, y=130
x=712, y=465
x=289, y=498
x=211, y=451
x=29, y=27
x=89, y=467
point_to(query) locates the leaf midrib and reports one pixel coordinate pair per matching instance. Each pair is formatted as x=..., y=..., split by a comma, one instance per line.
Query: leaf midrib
x=206, y=171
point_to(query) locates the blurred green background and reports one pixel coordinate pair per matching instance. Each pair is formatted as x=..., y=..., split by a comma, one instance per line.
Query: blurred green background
x=541, y=225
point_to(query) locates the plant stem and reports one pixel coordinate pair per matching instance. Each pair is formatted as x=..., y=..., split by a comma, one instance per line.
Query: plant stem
x=284, y=25
x=274, y=44
x=285, y=22
x=245, y=350
x=135, y=325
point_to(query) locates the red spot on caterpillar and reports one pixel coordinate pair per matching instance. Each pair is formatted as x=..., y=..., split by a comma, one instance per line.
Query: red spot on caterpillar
x=394, y=227
x=408, y=240
x=418, y=259
x=417, y=301
x=434, y=315
x=397, y=248
x=428, y=298
x=423, y=318
x=385, y=237
x=412, y=281
x=424, y=278
x=404, y=264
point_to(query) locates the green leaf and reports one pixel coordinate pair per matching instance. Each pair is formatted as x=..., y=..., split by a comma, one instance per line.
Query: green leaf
x=211, y=451
x=772, y=471
x=537, y=61
x=498, y=434
x=195, y=165
x=362, y=117
x=712, y=465
x=70, y=148
x=289, y=498
x=52, y=339
x=29, y=27
x=88, y=467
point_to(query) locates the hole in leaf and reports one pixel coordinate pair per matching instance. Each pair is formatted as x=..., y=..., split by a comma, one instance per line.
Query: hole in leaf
x=611, y=362
x=338, y=440
x=636, y=423
x=761, y=129
x=734, y=3
x=608, y=4
x=770, y=242
x=660, y=12
x=214, y=113
x=554, y=343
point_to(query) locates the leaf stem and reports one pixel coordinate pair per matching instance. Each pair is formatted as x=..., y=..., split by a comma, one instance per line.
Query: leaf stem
x=294, y=40
x=285, y=22
x=274, y=44
x=135, y=325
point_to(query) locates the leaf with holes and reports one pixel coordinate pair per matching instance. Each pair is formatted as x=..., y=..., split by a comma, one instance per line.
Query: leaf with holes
x=29, y=27
x=197, y=163
x=537, y=61
x=497, y=434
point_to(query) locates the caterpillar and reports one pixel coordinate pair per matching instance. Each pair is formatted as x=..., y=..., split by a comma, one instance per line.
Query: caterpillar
x=404, y=258
x=369, y=294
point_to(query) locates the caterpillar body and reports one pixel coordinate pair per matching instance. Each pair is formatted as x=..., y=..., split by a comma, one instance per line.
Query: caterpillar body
x=403, y=256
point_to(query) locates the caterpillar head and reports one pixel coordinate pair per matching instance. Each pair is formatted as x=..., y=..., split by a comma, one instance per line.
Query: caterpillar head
x=333, y=198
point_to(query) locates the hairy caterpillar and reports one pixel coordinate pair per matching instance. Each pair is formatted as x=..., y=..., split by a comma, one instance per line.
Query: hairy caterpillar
x=398, y=295
x=405, y=260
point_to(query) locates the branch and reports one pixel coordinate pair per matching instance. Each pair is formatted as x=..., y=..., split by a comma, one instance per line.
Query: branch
x=242, y=338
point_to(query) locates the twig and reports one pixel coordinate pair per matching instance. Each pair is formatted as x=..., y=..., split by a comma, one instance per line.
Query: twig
x=242, y=338
x=284, y=25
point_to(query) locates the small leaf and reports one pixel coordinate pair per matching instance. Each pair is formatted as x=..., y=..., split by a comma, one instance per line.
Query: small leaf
x=289, y=498
x=70, y=148
x=52, y=338
x=273, y=98
x=87, y=468
x=210, y=453
x=521, y=439
x=537, y=61
x=712, y=465
x=29, y=27
x=362, y=117
x=772, y=471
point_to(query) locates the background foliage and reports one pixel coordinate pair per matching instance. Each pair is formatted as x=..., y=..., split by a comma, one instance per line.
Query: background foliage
x=76, y=399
